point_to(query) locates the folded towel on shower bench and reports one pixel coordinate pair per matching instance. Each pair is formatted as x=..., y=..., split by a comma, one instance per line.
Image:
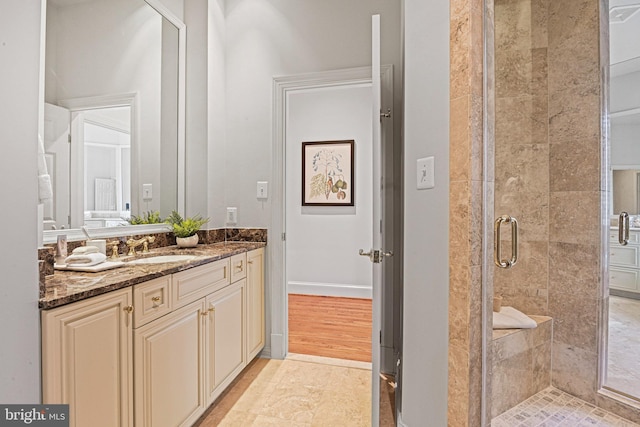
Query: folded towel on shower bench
x=510, y=318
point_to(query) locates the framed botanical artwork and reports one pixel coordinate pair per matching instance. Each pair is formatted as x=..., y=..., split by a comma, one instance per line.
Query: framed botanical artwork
x=327, y=173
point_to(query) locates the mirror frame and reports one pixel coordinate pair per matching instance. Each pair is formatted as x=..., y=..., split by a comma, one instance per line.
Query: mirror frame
x=75, y=234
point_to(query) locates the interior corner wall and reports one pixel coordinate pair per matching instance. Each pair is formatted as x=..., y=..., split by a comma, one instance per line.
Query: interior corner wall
x=426, y=219
x=196, y=124
x=217, y=114
x=19, y=316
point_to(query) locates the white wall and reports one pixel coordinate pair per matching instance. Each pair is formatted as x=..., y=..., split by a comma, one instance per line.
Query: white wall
x=625, y=130
x=426, y=271
x=267, y=38
x=625, y=144
x=625, y=91
x=196, y=20
x=323, y=242
x=19, y=85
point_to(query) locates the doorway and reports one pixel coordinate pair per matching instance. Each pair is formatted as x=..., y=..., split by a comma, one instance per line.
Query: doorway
x=323, y=237
x=283, y=88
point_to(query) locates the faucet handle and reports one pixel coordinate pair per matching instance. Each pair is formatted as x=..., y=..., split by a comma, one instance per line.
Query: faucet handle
x=131, y=243
x=114, y=248
x=145, y=243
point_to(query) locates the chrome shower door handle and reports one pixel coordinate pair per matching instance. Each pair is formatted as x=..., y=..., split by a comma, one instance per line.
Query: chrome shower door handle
x=623, y=228
x=497, y=249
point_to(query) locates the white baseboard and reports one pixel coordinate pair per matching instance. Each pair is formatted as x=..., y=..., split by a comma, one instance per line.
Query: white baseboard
x=329, y=289
x=265, y=353
x=278, y=349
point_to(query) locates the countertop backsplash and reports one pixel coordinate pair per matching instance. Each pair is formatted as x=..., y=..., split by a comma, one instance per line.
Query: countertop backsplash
x=50, y=283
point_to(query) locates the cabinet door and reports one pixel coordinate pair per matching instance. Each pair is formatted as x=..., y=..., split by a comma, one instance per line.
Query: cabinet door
x=87, y=359
x=225, y=338
x=169, y=368
x=255, y=303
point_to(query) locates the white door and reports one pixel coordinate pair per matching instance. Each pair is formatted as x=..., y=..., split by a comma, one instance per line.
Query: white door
x=58, y=157
x=376, y=254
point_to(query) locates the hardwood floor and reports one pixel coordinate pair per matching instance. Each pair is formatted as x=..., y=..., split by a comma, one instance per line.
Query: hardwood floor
x=330, y=326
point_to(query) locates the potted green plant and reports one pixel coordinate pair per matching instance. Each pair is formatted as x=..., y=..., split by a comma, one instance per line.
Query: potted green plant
x=186, y=229
x=150, y=217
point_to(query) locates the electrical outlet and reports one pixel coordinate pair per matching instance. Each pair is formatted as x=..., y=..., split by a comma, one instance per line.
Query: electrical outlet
x=232, y=215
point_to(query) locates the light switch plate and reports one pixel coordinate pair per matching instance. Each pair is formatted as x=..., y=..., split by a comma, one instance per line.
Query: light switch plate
x=232, y=215
x=425, y=177
x=262, y=190
x=147, y=191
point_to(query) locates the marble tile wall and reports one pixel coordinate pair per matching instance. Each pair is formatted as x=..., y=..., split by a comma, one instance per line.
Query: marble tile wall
x=575, y=198
x=525, y=355
x=467, y=185
x=549, y=155
x=522, y=160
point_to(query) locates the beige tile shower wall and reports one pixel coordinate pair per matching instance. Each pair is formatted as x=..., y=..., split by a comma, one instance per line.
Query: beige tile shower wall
x=522, y=149
x=466, y=213
x=575, y=198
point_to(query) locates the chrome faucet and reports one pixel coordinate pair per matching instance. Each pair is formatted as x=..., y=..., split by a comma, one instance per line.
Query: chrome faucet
x=144, y=241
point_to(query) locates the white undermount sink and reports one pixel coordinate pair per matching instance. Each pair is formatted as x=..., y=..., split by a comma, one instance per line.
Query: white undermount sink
x=160, y=259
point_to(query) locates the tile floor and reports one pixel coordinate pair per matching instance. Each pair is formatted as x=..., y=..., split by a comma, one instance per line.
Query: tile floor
x=295, y=393
x=623, y=373
x=552, y=407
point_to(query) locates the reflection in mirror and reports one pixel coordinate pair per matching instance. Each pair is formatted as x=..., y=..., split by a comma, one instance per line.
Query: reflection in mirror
x=622, y=375
x=113, y=87
x=107, y=159
x=626, y=188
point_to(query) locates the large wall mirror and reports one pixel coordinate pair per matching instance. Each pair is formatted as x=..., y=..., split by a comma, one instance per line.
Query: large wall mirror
x=113, y=130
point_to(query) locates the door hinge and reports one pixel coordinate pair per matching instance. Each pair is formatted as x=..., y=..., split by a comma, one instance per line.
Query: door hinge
x=69, y=138
x=380, y=337
x=284, y=236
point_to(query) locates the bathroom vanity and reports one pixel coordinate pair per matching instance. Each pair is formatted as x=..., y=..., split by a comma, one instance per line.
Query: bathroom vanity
x=152, y=344
x=624, y=263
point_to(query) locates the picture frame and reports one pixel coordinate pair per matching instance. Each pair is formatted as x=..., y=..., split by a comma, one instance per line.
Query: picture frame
x=328, y=173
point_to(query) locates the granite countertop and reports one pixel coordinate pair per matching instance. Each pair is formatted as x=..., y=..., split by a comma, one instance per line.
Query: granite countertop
x=64, y=287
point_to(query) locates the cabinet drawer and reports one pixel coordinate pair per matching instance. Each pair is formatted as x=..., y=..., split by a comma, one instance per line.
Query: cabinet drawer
x=189, y=285
x=238, y=267
x=634, y=236
x=151, y=300
x=623, y=279
x=624, y=255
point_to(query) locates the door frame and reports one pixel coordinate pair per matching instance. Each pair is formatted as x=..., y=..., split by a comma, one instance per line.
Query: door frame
x=77, y=106
x=282, y=86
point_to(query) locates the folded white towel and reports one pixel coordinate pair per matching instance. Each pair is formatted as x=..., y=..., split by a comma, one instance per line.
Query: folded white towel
x=84, y=250
x=510, y=318
x=85, y=259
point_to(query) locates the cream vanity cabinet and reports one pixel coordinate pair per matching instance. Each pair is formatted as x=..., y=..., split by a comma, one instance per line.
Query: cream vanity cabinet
x=87, y=355
x=624, y=262
x=185, y=359
x=255, y=302
x=159, y=353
